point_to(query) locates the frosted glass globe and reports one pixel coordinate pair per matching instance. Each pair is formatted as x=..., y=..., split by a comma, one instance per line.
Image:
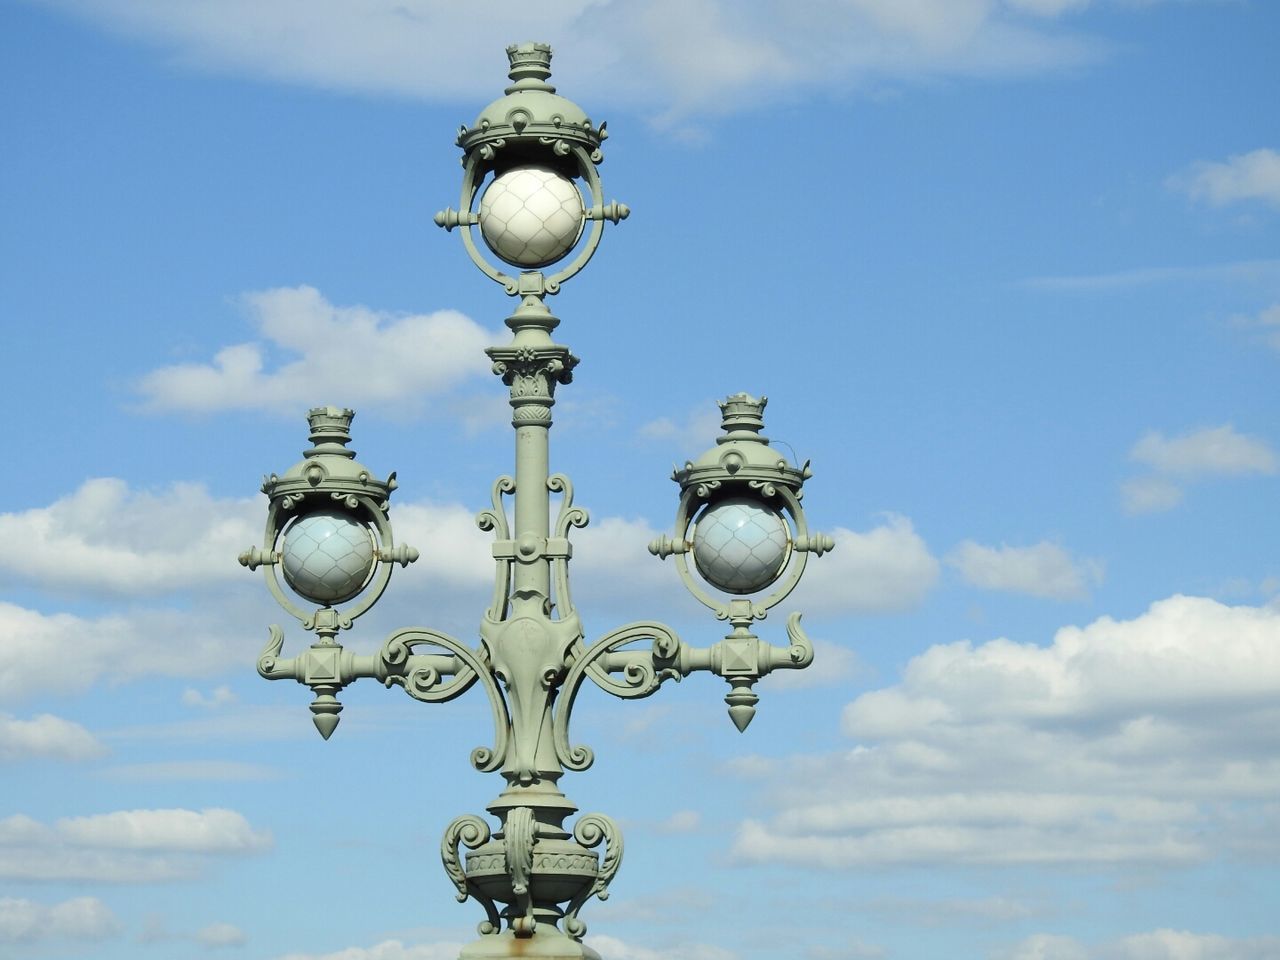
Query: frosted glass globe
x=327, y=556
x=740, y=545
x=531, y=216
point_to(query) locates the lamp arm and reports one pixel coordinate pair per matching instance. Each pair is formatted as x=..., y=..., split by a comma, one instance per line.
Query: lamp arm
x=741, y=658
x=326, y=667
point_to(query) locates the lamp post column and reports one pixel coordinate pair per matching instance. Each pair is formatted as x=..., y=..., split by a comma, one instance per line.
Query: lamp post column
x=532, y=365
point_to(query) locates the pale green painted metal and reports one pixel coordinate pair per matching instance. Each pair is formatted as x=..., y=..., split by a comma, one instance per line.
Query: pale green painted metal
x=533, y=872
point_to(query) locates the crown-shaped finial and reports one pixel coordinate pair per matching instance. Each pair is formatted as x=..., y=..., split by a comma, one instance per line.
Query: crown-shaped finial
x=330, y=431
x=530, y=66
x=742, y=417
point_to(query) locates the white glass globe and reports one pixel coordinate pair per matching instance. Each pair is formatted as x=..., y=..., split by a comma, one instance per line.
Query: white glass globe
x=740, y=545
x=531, y=216
x=327, y=556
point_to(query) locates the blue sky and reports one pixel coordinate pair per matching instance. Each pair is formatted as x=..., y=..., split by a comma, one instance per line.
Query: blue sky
x=1007, y=271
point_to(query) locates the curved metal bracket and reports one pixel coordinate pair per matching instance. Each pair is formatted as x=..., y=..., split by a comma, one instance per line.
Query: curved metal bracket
x=590, y=830
x=495, y=519
x=424, y=682
x=570, y=516
x=474, y=832
x=642, y=677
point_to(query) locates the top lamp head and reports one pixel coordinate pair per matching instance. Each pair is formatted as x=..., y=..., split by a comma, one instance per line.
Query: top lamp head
x=530, y=160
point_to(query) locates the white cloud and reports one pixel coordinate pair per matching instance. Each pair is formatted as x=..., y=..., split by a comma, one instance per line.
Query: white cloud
x=674, y=56
x=107, y=537
x=616, y=949
x=850, y=950
x=115, y=647
x=1267, y=321
x=1150, y=494
x=691, y=434
x=681, y=821
x=1152, y=740
x=221, y=935
x=1247, y=271
x=218, y=697
x=1247, y=176
x=885, y=569
x=127, y=846
x=1211, y=451
x=948, y=912
x=46, y=736
x=186, y=831
x=454, y=550
x=1156, y=945
x=82, y=918
x=402, y=359
x=832, y=664
x=212, y=770
x=110, y=538
x=387, y=950
x=1041, y=570
x=1045, y=946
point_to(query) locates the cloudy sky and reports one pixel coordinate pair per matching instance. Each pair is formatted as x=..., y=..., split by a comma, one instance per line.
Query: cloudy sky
x=1008, y=272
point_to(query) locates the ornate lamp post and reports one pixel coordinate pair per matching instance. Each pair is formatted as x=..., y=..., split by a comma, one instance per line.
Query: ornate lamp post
x=530, y=160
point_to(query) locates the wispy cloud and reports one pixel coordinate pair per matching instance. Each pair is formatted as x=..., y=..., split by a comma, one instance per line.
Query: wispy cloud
x=1265, y=271
x=1213, y=450
x=108, y=537
x=1179, y=460
x=46, y=736
x=1246, y=176
x=82, y=918
x=1162, y=944
x=126, y=846
x=402, y=359
x=1266, y=324
x=884, y=569
x=691, y=433
x=695, y=56
x=1043, y=569
x=214, y=936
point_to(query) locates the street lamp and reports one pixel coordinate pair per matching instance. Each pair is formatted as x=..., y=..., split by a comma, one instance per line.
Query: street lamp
x=531, y=187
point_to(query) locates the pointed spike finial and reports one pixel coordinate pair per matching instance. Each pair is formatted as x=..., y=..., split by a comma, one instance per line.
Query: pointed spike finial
x=741, y=715
x=325, y=709
x=742, y=702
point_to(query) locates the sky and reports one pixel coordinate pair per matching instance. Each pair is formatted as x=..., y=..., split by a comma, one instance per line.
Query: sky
x=1009, y=274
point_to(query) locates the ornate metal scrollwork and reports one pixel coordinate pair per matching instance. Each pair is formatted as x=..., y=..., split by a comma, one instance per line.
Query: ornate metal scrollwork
x=569, y=516
x=425, y=682
x=495, y=519
x=642, y=676
x=519, y=836
x=590, y=830
x=472, y=831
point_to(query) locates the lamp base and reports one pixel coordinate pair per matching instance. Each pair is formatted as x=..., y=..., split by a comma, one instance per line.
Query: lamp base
x=547, y=943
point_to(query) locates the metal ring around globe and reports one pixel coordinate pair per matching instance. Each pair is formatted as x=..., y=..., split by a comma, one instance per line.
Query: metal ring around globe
x=371, y=591
x=789, y=575
x=472, y=178
x=740, y=544
x=470, y=187
x=591, y=177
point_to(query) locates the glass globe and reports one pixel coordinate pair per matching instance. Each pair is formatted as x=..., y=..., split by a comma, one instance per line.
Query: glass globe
x=327, y=556
x=531, y=216
x=740, y=545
